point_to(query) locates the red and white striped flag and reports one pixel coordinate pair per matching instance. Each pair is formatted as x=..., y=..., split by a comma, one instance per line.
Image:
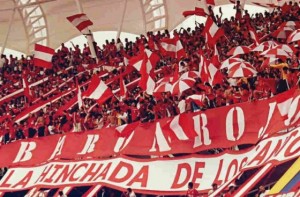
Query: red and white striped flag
x=253, y=35
x=151, y=61
x=26, y=87
x=80, y=21
x=147, y=84
x=98, y=90
x=137, y=61
x=212, y=32
x=145, y=62
x=210, y=73
x=43, y=56
x=173, y=47
x=123, y=89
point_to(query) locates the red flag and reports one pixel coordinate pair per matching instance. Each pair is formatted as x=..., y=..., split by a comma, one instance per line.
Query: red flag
x=284, y=102
x=212, y=32
x=150, y=62
x=197, y=11
x=147, y=84
x=137, y=61
x=123, y=89
x=26, y=88
x=253, y=35
x=210, y=2
x=145, y=62
x=98, y=90
x=173, y=47
x=43, y=56
x=126, y=129
x=210, y=73
x=80, y=21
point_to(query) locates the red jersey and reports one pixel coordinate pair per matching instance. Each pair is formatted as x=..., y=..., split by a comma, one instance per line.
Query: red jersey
x=192, y=193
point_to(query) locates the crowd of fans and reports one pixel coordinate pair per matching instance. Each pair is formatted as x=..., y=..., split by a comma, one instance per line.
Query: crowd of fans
x=75, y=65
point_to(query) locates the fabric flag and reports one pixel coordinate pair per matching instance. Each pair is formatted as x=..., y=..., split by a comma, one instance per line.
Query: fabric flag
x=151, y=61
x=26, y=87
x=212, y=32
x=210, y=2
x=197, y=98
x=43, y=56
x=197, y=12
x=216, y=58
x=253, y=35
x=125, y=130
x=79, y=95
x=80, y=21
x=173, y=47
x=147, y=84
x=284, y=102
x=137, y=61
x=123, y=89
x=145, y=62
x=211, y=74
x=98, y=90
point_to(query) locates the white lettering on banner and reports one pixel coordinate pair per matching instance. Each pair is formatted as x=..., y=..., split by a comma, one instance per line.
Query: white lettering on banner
x=58, y=148
x=159, y=140
x=282, y=149
x=25, y=153
x=262, y=130
x=122, y=142
x=90, y=144
x=230, y=123
x=201, y=130
x=177, y=129
x=143, y=174
x=294, y=112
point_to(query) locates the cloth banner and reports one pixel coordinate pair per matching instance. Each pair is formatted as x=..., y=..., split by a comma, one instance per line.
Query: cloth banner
x=143, y=174
x=224, y=127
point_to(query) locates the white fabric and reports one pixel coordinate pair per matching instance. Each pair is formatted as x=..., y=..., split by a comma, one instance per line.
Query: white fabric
x=43, y=56
x=132, y=194
x=182, y=106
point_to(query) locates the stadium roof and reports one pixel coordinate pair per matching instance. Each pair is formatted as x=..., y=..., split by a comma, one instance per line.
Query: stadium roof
x=44, y=21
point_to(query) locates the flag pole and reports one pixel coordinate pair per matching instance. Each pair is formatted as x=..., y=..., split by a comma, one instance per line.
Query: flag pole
x=122, y=19
x=89, y=36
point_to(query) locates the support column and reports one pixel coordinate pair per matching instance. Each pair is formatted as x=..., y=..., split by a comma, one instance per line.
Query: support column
x=122, y=19
x=8, y=30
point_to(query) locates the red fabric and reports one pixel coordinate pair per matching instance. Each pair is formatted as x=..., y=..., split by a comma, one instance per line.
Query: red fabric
x=80, y=21
x=40, y=53
x=192, y=193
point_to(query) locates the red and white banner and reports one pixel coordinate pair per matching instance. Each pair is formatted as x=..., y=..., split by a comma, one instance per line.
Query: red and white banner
x=173, y=47
x=245, y=123
x=43, y=56
x=80, y=21
x=98, y=90
x=212, y=32
x=142, y=174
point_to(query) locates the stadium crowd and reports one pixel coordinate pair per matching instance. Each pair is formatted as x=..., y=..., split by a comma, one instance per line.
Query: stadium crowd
x=74, y=65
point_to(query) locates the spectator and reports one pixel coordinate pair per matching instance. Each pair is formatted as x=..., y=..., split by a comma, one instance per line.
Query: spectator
x=192, y=192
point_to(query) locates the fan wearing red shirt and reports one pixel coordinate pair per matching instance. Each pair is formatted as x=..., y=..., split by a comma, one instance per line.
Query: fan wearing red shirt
x=191, y=192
